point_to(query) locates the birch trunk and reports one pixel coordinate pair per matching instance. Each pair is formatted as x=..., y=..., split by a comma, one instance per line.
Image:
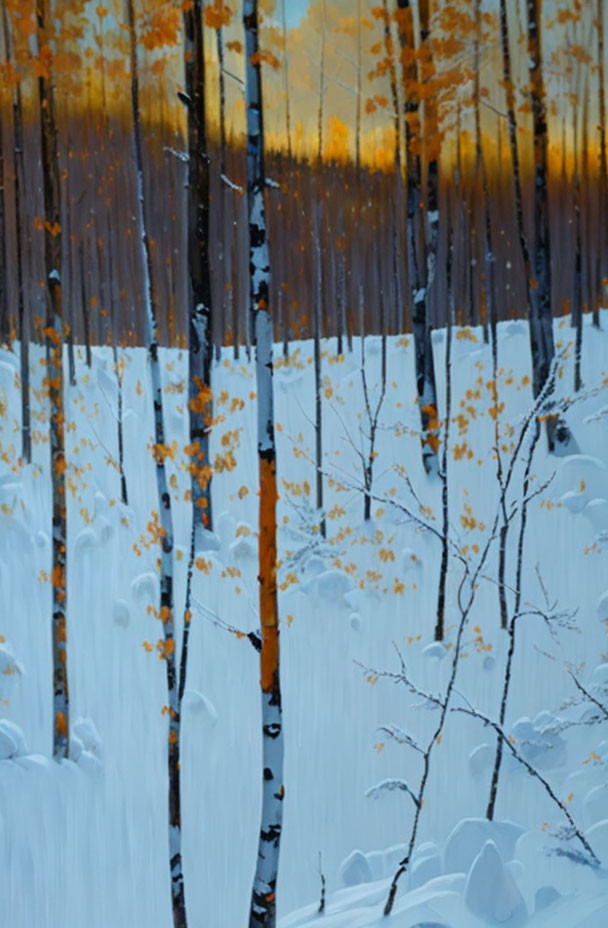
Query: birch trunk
x=54, y=378
x=263, y=899
x=164, y=497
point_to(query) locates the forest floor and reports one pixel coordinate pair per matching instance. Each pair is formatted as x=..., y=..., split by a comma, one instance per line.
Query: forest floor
x=85, y=841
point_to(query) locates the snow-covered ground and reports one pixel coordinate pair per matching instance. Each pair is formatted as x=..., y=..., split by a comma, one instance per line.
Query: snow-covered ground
x=85, y=842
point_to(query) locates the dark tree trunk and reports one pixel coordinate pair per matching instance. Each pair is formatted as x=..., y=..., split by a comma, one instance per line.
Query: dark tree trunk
x=421, y=263
x=603, y=227
x=317, y=365
x=200, y=314
x=22, y=315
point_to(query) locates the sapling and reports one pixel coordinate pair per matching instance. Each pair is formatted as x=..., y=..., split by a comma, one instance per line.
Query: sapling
x=472, y=573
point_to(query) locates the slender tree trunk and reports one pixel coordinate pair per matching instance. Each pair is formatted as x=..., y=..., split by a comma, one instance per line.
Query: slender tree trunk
x=321, y=87
x=70, y=275
x=588, y=187
x=118, y=368
x=263, y=900
x=577, y=299
x=421, y=266
x=5, y=326
x=511, y=627
x=541, y=291
x=23, y=317
x=86, y=319
x=286, y=84
x=443, y=474
x=603, y=157
x=54, y=375
x=389, y=50
x=164, y=496
x=317, y=366
x=223, y=233
x=200, y=318
x=485, y=294
x=537, y=278
x=359, y=94
x=424, y=266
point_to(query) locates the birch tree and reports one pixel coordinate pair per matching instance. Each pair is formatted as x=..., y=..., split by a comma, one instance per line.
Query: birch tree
x=54, y=375
x=263, y=900
x=165, y=519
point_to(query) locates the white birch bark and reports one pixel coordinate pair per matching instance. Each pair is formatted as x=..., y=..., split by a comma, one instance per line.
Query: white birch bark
x=263, y=899
x=166, y=615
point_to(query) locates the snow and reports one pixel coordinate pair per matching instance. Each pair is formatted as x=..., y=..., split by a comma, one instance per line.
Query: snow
x=86, y=841
x=470, y=836
x=490, y=891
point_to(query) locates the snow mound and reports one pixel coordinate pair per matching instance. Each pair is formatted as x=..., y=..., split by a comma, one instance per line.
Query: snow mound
x=410, y=561
x=198, y=704
x=468, y=837
x=435, y=650
x=85, y=730
x=490, y=891
x=355, y=621
x=8, y=663
x=145, y=587
x=596, y=512
x=225, y=526
x=86, y=539
x=121, y=613
x=573, y=501
x=582, y=475
x=602, y=607
x=314, y=566
x=206, y=540
x=12, y=740
x=355, y=869
x=541, y=746
x=595, y=804
x=544, y=897
x=425, y=869
x=245, y=543
x=599, y=676
x=330, y=586
x=480, y=759
x=598, y=839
